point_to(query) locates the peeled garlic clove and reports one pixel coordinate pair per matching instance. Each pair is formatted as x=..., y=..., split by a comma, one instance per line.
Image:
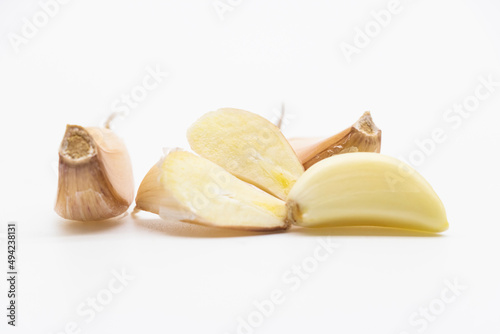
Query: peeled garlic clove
x=362, y=136
x=95, y=175
x=189, y=188
x=248, y=146
x=365, y=189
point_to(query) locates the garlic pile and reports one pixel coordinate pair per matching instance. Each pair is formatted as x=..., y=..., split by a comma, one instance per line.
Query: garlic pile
x=247, y=176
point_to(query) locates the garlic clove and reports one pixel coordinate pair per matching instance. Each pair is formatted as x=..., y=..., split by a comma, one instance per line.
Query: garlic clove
x=189, y=188
x=362, y=136
x=365, y=189
x=151, y=192
x=95, y=175
x=248, y=146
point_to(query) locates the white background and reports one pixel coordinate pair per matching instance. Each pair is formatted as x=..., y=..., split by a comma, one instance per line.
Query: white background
x=190, y=279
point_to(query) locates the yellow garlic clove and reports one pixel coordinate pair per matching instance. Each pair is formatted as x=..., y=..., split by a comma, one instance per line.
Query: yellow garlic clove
x=248, y=146
x=95, y=175
x=365, y=189
x=362, y=136
x=185, y=187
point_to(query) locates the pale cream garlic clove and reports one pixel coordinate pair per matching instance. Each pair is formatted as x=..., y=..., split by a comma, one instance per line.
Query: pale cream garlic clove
x=362, y=136
x=188, y=188
x=365, y=189
x=95, y=175
x=248, y=146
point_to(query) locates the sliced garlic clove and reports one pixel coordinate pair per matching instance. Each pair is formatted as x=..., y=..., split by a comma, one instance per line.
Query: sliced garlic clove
x=365, y=189
x=95, y=175
x=248, y=146
x=362, y=136
x=189, y=188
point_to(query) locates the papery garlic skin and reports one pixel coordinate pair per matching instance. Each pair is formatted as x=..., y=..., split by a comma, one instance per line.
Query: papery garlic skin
x=95, y=175
x=185, y=187
x=362, y=136
x=365, y=189
x=248, y=146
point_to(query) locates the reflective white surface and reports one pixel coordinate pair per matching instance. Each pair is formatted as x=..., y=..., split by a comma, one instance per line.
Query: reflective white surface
x=190, y=279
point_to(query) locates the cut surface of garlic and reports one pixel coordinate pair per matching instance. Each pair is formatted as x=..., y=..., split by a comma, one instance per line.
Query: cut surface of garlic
x=95, y=175
x=189, y=188
x=365, y=189
x=362, y=136
x=248, y=146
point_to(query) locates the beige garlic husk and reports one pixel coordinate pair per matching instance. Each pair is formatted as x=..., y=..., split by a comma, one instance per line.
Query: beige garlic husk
x=362, y=136
x=95, y=175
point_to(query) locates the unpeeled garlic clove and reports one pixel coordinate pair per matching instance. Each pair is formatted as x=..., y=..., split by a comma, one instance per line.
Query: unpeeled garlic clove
x=362, y=136
x=95, y=175
x=365, y=189
x=248, y=146
x=185, y=187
